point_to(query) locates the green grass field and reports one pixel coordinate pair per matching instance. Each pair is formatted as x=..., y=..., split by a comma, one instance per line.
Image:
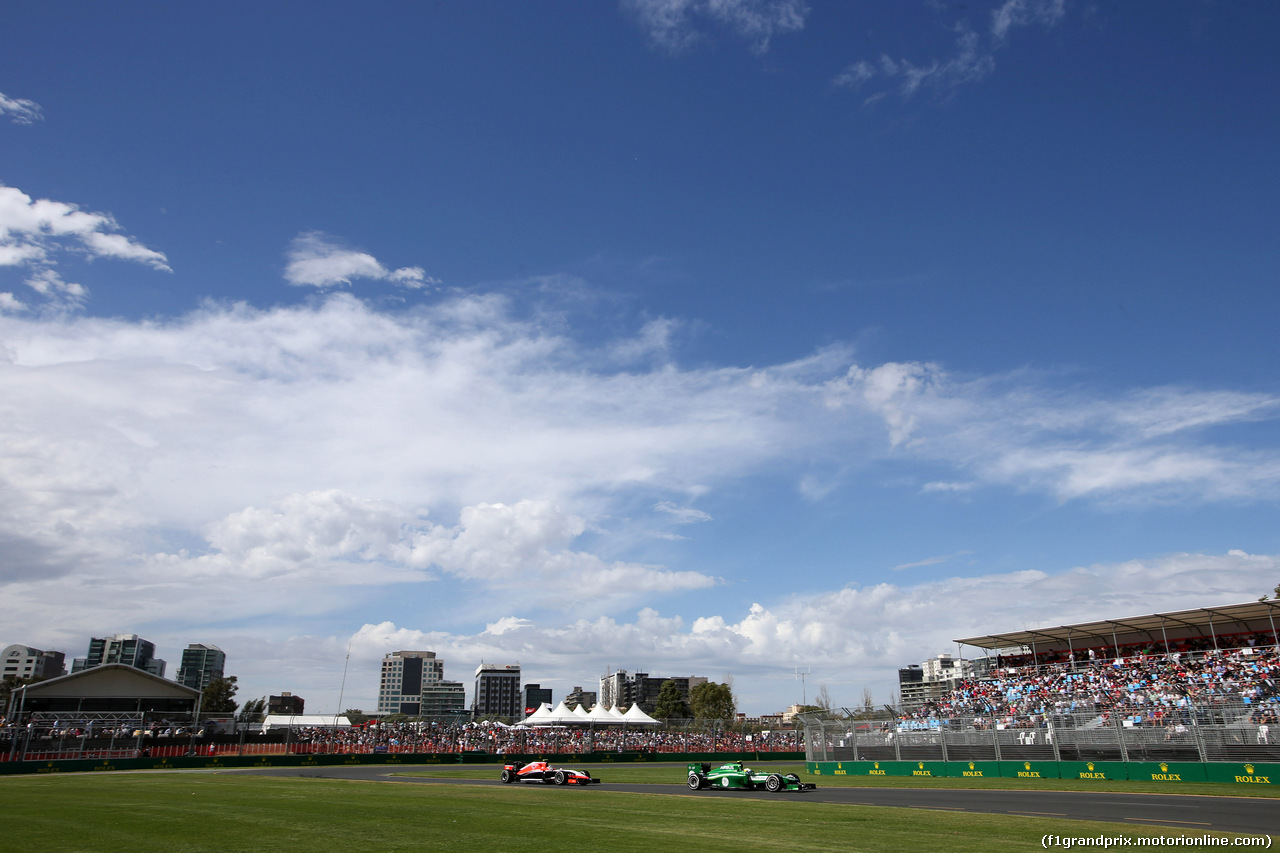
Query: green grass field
x=229, y=812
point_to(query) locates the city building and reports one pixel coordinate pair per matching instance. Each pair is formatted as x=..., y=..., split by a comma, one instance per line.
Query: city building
x=201, y=664
x=413, y=684
x=918, y=685
x=578, y=696
x=911, y=690
x=444, y=699
x=621, y=690
x=128, y=649
x=286, y=704
x=25, y=662
x=497, y=691
x=534, y=696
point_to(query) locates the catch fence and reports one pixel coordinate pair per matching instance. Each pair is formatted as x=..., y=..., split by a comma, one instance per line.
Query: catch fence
x=1216, y=735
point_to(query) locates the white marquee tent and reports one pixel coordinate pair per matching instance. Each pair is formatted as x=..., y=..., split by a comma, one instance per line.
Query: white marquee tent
x=561, y=715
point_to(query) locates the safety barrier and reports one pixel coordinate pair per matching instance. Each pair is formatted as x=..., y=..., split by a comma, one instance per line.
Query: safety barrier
x=1171, y=772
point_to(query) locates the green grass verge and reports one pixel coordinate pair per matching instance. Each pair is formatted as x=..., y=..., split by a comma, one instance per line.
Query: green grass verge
x=227, y=812
x=674, y=774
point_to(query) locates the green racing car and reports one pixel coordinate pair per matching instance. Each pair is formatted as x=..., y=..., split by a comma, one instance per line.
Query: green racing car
x=735, y=777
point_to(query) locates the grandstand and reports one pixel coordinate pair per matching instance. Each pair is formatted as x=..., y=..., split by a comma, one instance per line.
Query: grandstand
x=1197, y=685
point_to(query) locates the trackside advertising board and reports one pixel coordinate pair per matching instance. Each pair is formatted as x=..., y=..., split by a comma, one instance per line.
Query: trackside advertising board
x=1171, y=772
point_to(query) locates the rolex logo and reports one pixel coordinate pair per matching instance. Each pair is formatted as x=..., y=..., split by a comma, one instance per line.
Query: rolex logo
x=1248, y=768
x=1090, y=766
x=971, y=766
x=1164, y=768
x=1027, y=765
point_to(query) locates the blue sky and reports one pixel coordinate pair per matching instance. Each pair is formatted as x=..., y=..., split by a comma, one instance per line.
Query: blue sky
x=686, y=337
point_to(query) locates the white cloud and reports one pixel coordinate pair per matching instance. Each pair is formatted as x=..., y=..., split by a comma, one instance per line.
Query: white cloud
x=849, y=637
x=525, y=548
x=34, y=231
x=971, y=60
x=653, y=342
x=673, y=25
x=681, y=514
x=1022, y=13
x=31, y=229
x=57, y=294
x=930, y=561
x=318, y=260
x=20, y=110
x=1147, y=445
x=939, y=486
x=245, y=471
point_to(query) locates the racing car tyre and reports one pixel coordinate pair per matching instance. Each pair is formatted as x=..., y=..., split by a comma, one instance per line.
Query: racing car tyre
x=695, y=781
x=507, y=776
x=773, y=784
x=561, y=778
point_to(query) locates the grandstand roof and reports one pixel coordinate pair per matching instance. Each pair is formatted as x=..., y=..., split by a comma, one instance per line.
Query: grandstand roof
x=1261, y=616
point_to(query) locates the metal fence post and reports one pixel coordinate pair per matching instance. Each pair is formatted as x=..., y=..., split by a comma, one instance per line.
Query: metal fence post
x=1198, y=735
x=1124, y=747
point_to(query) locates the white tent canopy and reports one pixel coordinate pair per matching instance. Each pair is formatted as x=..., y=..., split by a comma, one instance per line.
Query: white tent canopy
x=542, y=716
x=561, y=715
x=294, y=721
x=601, y=717
x=637, y=717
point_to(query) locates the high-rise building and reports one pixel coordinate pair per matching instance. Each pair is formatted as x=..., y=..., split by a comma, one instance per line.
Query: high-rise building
x=25, y=662
x=286, y=704
x=920, y=684
x=578, y=696
x=413, y=683
x=534, y=696
x=620, y=690
x=911, y=690
x=201, y=664
x=129, y=649
x=444, y=699
x=497, y=691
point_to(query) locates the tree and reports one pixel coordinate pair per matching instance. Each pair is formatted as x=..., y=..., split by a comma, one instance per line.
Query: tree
x=355, y=715
x=823, y=699
x=219, y=696
x=712, y=701
x=10, y=684
x=253, y=710
x=671, y=705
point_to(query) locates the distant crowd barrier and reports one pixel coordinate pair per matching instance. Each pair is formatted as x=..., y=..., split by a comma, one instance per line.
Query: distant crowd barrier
x=356, y=759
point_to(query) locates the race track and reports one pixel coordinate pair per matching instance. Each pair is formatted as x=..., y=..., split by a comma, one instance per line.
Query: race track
x=1178, y=813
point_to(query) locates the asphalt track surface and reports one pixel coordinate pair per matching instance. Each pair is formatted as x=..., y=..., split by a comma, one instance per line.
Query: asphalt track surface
x=1179, y=814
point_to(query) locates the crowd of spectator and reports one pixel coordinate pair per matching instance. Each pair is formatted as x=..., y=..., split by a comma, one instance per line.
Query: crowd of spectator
x=401, y=737
x=1139, y=685
x=495, y=738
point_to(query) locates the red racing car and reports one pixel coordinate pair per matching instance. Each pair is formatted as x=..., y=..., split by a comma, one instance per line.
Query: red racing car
x=541, y=771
